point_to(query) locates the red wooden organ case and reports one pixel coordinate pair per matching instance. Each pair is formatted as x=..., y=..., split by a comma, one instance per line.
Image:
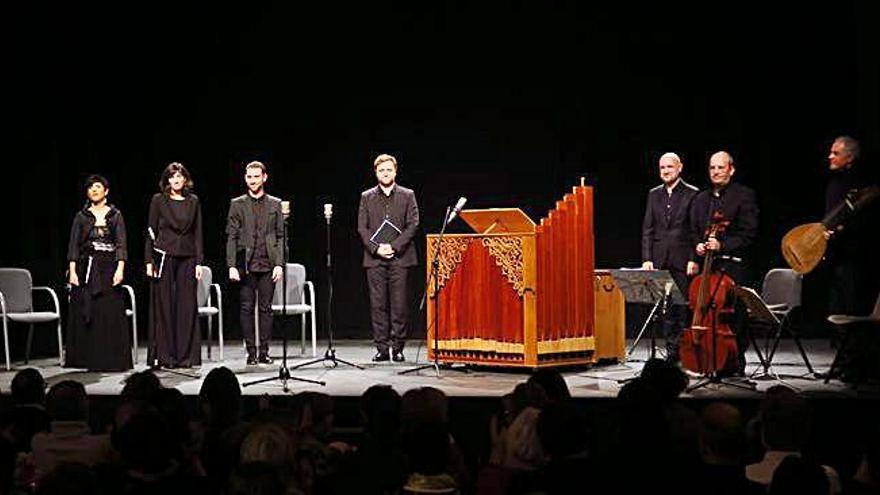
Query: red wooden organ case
x=519, y=294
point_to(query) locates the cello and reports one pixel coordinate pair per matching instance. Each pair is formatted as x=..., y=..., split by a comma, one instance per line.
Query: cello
x=709, y=344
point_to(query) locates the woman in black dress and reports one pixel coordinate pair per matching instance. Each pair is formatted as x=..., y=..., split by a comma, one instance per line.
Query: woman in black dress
x=97, y=334
x=174, y=257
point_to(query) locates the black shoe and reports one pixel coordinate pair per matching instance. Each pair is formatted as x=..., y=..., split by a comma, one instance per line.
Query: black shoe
x=265, y=359
x=398, y=357
x=827, y=374
x=251, y=360
x=381, y=356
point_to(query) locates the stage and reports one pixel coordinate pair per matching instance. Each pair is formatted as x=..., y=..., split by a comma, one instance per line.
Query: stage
x=597, y=382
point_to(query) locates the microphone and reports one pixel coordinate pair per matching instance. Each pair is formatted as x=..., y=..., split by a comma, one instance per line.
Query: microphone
x=667, y=290
x=457, y=208
x=285, y=209
x=328, y=211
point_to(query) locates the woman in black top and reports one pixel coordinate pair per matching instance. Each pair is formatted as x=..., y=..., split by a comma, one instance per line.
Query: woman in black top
x=97, y=337
x=174, y=257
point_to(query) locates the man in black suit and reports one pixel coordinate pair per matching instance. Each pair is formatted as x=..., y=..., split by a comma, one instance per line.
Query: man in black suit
x=388, y=263
x=666, y=238
x=254, y=238
x=738, y=205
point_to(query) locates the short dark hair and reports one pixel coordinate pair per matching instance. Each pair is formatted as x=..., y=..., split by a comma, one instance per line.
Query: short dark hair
x=256, y=164
x=28, y=387
x=67, y=401
x=172, y=169
x=96, y=178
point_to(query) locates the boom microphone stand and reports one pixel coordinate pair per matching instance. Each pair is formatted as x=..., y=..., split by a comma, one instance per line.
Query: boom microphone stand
x=653, y=319
x=284, y=371
x=330, y=360
x=435, y=277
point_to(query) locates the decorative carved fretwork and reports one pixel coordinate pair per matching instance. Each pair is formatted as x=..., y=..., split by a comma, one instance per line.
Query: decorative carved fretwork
x=508, y=254
x=451, y=253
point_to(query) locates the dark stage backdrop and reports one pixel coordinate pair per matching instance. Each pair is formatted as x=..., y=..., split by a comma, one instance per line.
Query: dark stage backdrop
x=506, y=104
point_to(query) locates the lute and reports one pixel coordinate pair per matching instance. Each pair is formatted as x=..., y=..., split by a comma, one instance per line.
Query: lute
x=804, y=246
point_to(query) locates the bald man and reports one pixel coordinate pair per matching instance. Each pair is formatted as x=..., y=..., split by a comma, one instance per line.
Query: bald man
x=666, y=237
x=738, y=205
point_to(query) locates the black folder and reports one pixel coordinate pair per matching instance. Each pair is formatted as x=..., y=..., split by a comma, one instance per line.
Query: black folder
x=158, y=255
x=386, y=233
x=158, y=261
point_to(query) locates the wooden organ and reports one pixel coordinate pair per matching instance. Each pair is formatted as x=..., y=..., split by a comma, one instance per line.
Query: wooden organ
x=520, y=294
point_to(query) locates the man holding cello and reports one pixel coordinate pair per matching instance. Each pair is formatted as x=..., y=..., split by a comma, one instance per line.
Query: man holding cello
x=736, y=206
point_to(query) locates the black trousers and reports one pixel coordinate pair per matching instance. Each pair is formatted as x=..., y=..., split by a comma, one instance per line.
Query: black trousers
x=252, y=284
x=843, y=297
x=388, y=305
x=174, y=315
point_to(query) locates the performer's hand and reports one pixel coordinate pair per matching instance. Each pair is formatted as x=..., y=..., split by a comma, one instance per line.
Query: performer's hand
x=150, y=272
x=692, y=268
x=648, y=265
x=73, y=278
x=277, y=273
x=233, y=274
x=117, y=276
x=713, y=244
x=701, y=249
x=198, y=272
x=385, y=250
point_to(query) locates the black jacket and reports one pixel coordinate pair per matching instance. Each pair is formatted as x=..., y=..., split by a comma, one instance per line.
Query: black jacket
x=83, y=222
x=176, y=236
x=666, y=228
x=403, y=212
x=240, y=225
x=739, y=205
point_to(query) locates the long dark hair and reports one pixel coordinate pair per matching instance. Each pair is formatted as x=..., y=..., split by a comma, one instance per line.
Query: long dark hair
x=172, y=169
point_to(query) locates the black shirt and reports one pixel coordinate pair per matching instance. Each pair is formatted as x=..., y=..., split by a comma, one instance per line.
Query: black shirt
x=260, y=260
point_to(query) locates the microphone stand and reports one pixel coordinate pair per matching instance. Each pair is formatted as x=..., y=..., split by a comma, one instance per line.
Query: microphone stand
x=330, y=353
x=283, y=372
x=435, y=277
x=650, y=321
x=653, y=318
x=665, y=299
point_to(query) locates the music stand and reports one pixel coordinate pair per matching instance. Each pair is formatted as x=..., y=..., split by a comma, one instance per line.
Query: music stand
x=648, y=287
x=761, y=314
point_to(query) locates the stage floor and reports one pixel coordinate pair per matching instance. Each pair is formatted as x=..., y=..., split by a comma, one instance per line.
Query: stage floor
x=597, y=382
